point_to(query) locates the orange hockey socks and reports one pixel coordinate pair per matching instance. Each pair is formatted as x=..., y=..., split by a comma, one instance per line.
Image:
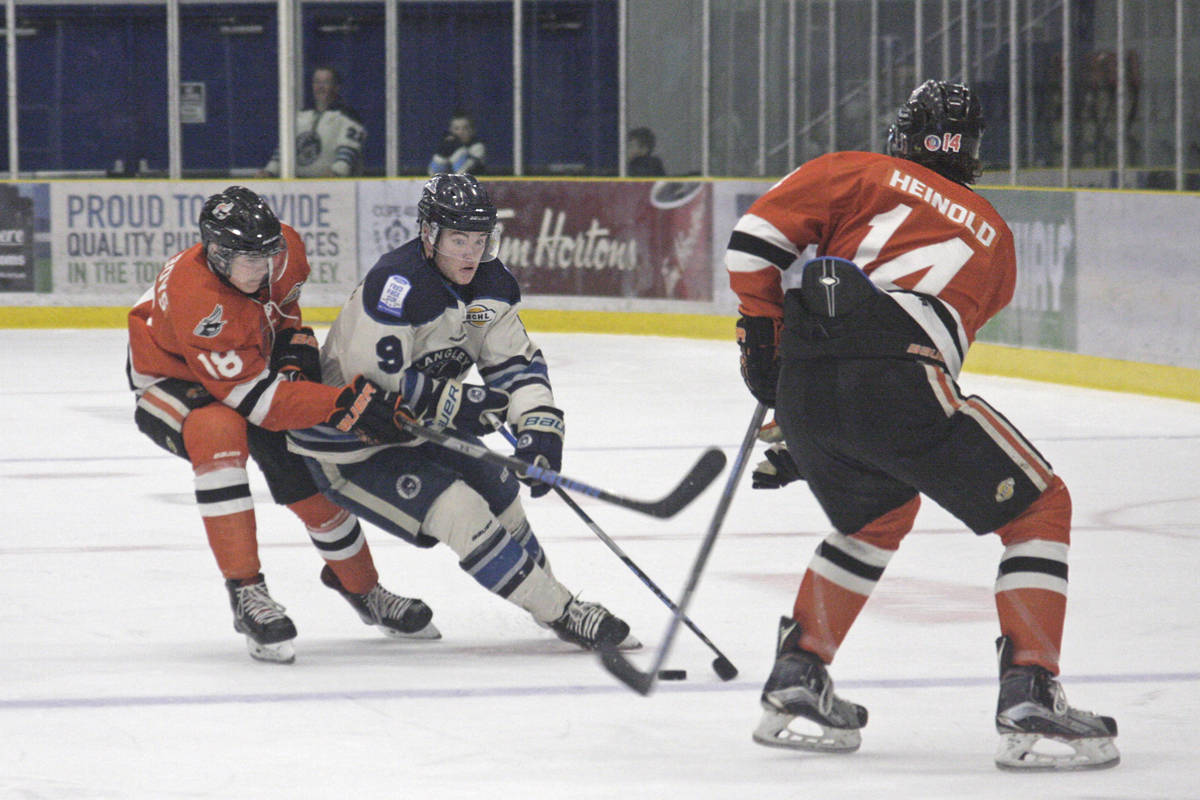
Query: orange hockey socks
x=842, y=575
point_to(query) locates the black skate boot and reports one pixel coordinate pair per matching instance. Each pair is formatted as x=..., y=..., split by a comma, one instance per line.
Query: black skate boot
x=398, y=617
x=799, y=688
x=1032, y=708
x=591, y=625
x=268, y=630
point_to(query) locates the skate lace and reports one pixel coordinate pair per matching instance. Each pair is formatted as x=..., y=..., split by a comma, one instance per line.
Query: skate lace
x=584, y=619
x=255, y=603
x=385, y=605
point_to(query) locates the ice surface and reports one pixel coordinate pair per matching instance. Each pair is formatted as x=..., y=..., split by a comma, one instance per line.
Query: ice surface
x=121, y=676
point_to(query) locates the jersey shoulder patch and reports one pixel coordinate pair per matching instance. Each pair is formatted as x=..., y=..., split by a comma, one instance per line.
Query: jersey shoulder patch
x=391, y=296
x=402, y=289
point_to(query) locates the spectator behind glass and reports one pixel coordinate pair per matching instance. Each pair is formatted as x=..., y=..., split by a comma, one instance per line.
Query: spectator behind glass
x=460, y=150
x=641, y=162
x=329, y=136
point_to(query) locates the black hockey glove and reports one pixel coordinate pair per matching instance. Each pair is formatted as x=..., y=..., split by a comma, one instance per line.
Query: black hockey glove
x=297, y=356
x=540, y=442
x=758, y=338
x=364, y=409
x=466, y=407
x=778, y=469
x=448, y=145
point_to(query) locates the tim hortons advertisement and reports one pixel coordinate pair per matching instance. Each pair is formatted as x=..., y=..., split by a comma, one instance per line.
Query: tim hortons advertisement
x=607, y=239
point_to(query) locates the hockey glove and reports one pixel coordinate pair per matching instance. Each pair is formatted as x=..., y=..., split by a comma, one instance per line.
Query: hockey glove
x=366, y=410
x=296, y=355
x=540, y=442
x=776, y=470
x=466, y=407
x=448, y=145
x=758, y=339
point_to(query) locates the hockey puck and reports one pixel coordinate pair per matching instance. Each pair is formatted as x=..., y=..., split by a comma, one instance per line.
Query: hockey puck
x=672, y=674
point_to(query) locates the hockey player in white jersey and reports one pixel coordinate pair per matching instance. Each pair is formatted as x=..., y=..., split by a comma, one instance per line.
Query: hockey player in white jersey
x=424, y=315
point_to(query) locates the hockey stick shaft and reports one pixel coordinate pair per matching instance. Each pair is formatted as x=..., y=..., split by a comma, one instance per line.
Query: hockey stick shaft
x=702, y=473
x=722, y=665
x=614, y=661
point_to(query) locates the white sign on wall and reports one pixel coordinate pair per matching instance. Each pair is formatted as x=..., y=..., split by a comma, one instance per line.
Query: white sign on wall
x=111, y=238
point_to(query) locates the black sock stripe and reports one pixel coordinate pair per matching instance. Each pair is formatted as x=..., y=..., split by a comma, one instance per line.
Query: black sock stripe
x=223, y=494
x=849, y=562
x=1047, y=566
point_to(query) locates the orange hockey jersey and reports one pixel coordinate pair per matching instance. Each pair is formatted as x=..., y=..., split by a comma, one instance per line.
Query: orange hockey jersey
x=192, y=326
x=903, y=224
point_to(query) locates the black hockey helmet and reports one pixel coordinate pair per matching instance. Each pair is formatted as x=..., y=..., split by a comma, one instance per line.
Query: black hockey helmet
x=940, y=127
x=456, y=201
x=238, y=222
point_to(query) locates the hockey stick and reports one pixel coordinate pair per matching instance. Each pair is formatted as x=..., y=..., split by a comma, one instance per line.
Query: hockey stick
x=610, y=657
x=721, y=665
x=702, y=473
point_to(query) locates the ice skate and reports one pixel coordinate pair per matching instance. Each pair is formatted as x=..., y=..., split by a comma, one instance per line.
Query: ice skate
x=591, y=625
x=1039, y=730
x=269, y=632
x=398, y=617
x=799, y=695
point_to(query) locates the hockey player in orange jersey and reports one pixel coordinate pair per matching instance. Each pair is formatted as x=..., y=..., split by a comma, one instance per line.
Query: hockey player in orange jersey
x=221, y=365
x=860, y=362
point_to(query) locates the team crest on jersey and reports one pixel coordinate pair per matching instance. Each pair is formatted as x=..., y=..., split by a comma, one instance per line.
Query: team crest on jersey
x=293, y=295
x=947, y=142
x=211, y=325
x=449, y=362
x=479, y=315
x=391, y=299
x=408, y=486
x=1005, y=490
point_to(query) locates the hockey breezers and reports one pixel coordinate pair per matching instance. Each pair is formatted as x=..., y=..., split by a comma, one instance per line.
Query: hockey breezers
x=702, y=473
x=721, y=664
x=613, y=660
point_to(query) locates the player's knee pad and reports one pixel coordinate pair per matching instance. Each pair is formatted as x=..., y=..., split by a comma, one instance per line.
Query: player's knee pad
x=1047, y=518
x=517, y=524
x=889, y=530
x=1036, y=544
x=460, y=517
x=215, y=436
x=162, y=409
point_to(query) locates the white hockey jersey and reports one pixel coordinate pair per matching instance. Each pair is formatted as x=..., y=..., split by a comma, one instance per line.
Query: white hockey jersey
x=328, y=143
x=405, y=317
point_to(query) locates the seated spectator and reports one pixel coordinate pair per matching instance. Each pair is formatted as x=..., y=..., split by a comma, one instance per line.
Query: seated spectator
x=329, y=136
x=461, y=150
x=641, y=161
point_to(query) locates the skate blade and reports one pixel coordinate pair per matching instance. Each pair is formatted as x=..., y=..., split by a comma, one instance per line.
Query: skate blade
x=1033, y=752
x=430, y=631
x=277, y=653
x=774, y=730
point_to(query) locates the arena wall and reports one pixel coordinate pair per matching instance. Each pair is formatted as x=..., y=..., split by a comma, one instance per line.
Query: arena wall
x=1109, y=281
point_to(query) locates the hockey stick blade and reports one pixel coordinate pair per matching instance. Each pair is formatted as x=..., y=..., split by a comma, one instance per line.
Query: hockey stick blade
x=623, y=670
x=698, y=478
x=616, y=663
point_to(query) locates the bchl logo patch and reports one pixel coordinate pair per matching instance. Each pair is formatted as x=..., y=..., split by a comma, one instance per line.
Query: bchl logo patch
x=222, y=210
x=1005, y=490
x=211, y=325
x=480, y=315
x=391, y=299
x=947, y=142
x=408, y=486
